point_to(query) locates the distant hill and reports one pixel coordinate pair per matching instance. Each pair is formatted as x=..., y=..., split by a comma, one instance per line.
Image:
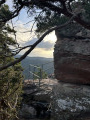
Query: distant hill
x=38, y=61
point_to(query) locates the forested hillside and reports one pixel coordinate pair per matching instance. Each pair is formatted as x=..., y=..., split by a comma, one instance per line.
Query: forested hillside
x=37, y=61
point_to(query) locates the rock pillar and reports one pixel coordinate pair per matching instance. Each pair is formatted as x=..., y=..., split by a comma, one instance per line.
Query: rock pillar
x=72, y=56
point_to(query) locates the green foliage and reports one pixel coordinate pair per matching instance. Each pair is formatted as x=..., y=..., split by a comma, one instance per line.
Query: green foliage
x=11, y=89
x=42, y=74
x=4, y=12
x=11, y=78
x=38, y=61
x=50, y=19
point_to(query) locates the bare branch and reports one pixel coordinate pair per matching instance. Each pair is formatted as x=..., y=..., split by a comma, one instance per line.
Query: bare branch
x=28, y=22
x=35, y=44
x=18, y=50
x=14, y=30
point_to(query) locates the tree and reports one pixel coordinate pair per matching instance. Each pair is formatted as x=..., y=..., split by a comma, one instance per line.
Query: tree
x=10, y=95
x=42, y=74
x=50, y=19
x=11, y=78
x=64, y=7
x=76, y=11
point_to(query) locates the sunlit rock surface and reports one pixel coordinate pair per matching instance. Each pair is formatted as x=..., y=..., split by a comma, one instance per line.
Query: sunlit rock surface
x=72, y=55
x=70, y=101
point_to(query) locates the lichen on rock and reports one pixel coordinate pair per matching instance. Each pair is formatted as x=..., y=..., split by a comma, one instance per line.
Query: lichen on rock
x=70, y=100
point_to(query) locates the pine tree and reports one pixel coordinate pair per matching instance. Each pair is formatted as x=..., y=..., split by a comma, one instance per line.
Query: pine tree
x=11, y=78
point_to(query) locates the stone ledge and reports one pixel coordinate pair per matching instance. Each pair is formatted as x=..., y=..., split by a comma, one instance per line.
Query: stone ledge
x=70, y=101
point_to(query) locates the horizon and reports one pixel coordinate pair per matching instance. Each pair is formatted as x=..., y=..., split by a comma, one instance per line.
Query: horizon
x=35, y=57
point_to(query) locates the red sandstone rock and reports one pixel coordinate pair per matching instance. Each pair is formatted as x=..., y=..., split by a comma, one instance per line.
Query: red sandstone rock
x=72, y=60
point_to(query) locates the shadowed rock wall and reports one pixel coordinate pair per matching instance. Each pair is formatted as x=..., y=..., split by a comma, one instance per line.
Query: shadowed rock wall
x=72, y=55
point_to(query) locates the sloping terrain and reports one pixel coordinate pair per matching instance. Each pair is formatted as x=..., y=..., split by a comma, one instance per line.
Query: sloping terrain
x=36, y=61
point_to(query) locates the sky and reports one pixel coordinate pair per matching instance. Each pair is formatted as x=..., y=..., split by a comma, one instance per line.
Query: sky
x=45, y=48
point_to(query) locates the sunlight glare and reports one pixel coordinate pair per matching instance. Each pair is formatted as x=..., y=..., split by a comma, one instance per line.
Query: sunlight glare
x=51, y=37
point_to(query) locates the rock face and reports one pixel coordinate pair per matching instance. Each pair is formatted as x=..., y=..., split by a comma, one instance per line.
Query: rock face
x=27, y=112
x=71, y=101
x=72, y=55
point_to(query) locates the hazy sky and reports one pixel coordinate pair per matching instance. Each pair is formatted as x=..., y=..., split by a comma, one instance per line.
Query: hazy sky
x=45, y=48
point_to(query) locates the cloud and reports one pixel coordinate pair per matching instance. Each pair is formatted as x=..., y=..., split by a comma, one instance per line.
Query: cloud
x=27, y=38
x=39, y=52
x=44, y=49
x=46, y=45
x=23, y=33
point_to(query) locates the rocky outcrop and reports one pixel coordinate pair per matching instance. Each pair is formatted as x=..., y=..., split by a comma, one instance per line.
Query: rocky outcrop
x=72, y=55
x=36, y=101
x=70, y=102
